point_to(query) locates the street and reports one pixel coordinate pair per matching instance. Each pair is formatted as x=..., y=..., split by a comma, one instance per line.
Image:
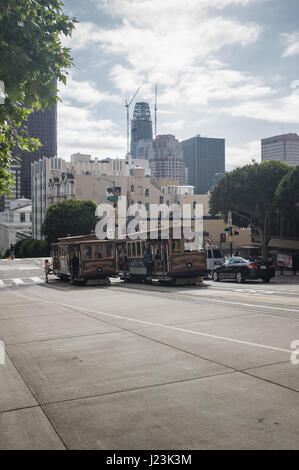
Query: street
x=135, y=366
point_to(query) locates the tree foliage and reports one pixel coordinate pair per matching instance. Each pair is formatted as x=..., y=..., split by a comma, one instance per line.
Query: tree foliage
x=288, y=192
x=250, y=193
x=32, y=58
x=70, y=217
x=31, y=248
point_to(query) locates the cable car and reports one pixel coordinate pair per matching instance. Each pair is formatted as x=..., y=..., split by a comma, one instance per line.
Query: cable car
x=96, y=259
x=173, y=262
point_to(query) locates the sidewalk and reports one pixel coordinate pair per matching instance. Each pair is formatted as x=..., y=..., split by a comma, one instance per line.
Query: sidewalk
x=288, y=277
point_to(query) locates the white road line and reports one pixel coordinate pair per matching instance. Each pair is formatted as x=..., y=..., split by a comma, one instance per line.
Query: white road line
x=1, y=283
x=36, y=279
x=227, y=302
x=18, y=282
x=168, y=327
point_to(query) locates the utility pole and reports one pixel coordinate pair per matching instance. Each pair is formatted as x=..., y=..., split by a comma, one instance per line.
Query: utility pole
x=230, y=225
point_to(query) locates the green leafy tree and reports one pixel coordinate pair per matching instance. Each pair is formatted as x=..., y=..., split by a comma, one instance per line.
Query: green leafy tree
x=288, y=192
x=71, y=217
x=32, y=59
x=31, y=248
x=250, y=193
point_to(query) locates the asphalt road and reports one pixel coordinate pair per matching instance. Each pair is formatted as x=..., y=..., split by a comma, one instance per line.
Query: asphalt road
x=133, y=366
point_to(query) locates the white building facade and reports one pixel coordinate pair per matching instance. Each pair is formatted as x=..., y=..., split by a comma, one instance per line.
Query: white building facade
x=15, y=223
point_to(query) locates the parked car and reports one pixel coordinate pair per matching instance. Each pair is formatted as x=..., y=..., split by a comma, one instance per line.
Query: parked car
x=241, y=269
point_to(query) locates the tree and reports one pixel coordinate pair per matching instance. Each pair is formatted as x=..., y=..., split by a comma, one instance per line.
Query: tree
x=69, y=217
x=32, y=58
x=250, y=193
x=288, y=202
x=288, y=192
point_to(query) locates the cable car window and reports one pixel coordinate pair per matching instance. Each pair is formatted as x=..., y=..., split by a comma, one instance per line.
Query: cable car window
x=176, y=246
x=98, y=251
x=142, y=248
x=109, y=250
x=133, y=249
x=87, y=254
x=129, y=250
x=138, y=248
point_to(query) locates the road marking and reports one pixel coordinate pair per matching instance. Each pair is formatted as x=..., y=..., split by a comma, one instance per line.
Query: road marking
x=169, y=327
x=1, y=283
x=18, y=282
x=161, y=325
x=269, y=307
x=36, y=279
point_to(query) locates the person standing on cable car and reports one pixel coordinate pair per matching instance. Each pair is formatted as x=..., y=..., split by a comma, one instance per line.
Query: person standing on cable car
x=148, y=261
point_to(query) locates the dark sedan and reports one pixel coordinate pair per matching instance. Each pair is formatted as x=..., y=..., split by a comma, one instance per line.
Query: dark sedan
x=241, y=269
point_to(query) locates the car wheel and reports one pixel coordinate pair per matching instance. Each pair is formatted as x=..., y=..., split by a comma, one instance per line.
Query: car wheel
x=266, y=279
x=216, y=276
x=239, y=277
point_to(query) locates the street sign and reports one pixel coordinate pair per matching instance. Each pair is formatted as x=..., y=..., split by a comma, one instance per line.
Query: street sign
x=112, y=198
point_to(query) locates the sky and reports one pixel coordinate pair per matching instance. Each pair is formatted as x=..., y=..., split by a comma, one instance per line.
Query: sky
x=224, y=69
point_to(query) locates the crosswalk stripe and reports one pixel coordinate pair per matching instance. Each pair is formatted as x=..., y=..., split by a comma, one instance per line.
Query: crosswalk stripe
x=36, y=279
x=1, y=283
x=18, y=281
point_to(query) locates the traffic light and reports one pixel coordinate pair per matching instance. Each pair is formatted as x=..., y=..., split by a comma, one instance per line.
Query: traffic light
x=115, y=204
x=222, y=237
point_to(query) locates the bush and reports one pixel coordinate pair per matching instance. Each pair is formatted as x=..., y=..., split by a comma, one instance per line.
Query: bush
x=31, y=248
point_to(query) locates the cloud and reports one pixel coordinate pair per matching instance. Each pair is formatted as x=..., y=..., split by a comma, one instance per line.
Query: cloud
x=84, y=92
x=239, y=156
x=80, y=131
x=291, y=42
x=280, y=110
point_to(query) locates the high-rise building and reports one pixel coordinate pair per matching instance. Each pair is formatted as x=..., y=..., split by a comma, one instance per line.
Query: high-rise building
x=141, y=126
x=205, y=160
x=166, y=159
x=41, y=125
x=281, y=147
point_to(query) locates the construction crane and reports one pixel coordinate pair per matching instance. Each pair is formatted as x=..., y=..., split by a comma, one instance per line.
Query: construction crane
x=127, y=105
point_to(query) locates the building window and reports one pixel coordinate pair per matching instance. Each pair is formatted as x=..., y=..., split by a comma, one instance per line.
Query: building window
x=132, y=188
x=22, y=217
x=161, y=200
x=146, y=192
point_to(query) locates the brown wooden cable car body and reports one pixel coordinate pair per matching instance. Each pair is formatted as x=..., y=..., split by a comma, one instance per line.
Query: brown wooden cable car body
x=96, y=258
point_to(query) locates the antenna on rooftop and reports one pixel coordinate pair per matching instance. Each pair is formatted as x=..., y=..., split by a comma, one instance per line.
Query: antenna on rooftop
x=156, y=110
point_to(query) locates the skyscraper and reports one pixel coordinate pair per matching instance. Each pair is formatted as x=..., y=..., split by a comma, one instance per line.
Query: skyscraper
x=205, y=160
x=166, y=159
x=41, y=125
x=281, y=147
x=141, y=126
